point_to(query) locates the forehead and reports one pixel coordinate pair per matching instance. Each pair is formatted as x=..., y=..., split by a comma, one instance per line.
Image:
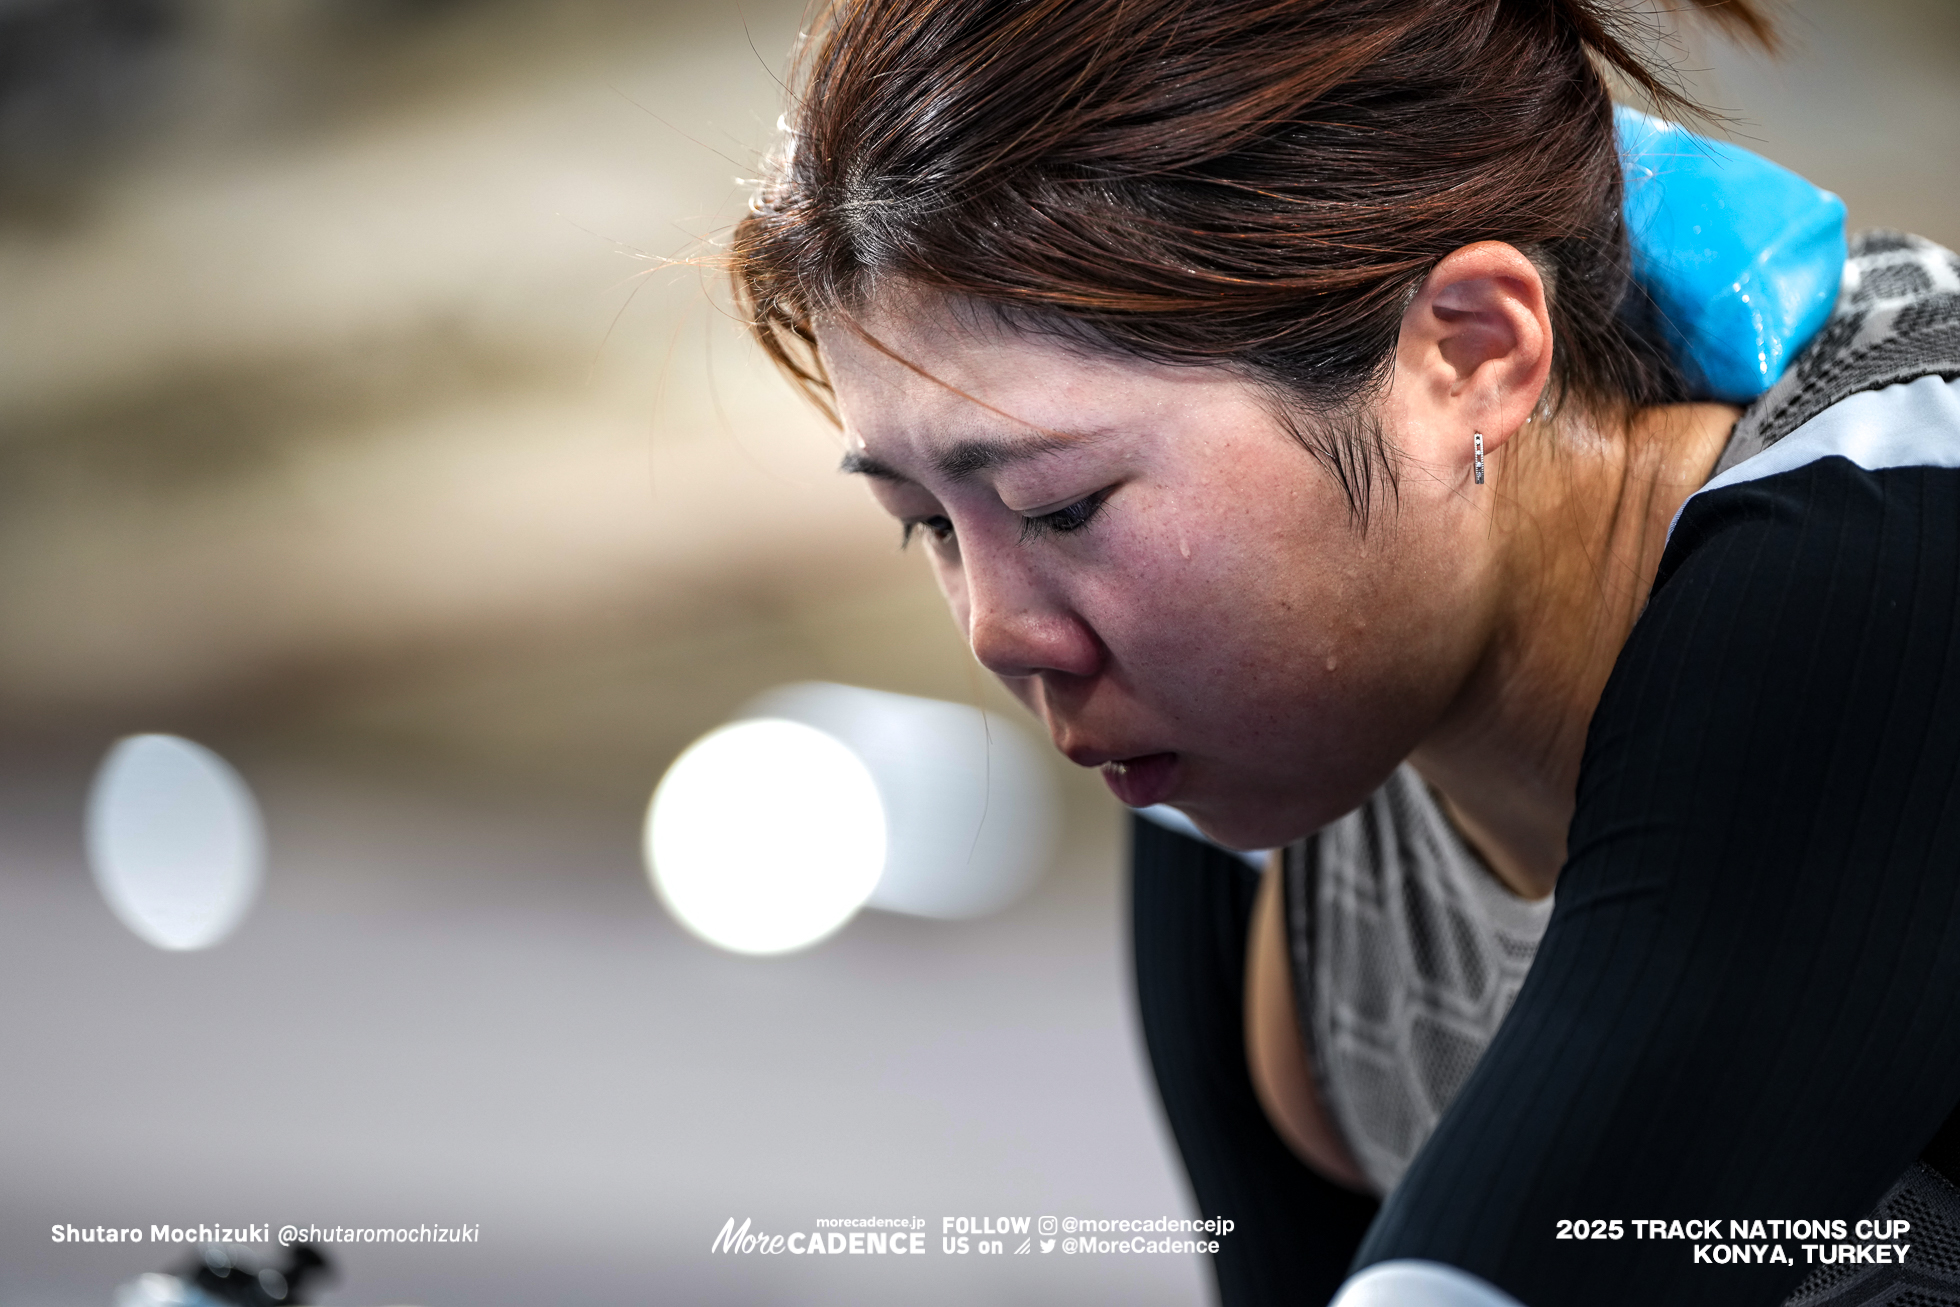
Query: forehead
x=918, y=366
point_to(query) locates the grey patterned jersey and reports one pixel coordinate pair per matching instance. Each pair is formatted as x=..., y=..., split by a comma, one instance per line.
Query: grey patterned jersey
x=1406, y=953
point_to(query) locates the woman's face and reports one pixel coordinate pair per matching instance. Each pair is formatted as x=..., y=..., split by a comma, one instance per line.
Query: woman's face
x=1153, y=564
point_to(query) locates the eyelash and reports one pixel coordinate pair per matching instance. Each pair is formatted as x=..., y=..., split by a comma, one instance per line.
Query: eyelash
x=1063, y=521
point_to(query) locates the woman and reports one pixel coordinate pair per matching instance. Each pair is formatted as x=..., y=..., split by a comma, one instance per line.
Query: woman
x=1266, y=383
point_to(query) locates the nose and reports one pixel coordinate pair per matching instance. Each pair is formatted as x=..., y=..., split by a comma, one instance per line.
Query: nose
x=1017, y=630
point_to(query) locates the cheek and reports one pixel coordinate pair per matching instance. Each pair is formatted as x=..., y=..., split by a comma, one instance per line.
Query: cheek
x=1227, y=575
x=1185, y=635
x=1246, y=616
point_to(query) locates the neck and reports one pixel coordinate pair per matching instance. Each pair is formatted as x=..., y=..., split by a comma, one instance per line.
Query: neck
x=1572, y=579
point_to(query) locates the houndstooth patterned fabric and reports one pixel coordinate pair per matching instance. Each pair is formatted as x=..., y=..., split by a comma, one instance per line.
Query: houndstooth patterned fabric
x=1897, y=318
x=1406, y=955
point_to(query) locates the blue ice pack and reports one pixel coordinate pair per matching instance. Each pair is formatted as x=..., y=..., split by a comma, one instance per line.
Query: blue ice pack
x=1742, y=257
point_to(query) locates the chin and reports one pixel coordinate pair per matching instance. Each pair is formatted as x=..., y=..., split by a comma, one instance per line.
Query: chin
x=1246, y=827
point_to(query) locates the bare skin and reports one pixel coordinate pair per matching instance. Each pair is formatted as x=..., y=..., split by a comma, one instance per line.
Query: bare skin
x=1153, y=564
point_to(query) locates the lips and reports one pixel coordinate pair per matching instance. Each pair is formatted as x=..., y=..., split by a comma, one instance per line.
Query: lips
x=1143, y=780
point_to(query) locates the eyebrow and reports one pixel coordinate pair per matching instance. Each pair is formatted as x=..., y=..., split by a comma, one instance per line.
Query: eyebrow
x=966, y=458
x=863, y=465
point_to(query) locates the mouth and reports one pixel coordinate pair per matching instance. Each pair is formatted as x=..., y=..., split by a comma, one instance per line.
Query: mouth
x=1146, y=779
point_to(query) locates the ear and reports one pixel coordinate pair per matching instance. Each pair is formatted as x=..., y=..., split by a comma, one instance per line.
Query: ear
x=1473, y=355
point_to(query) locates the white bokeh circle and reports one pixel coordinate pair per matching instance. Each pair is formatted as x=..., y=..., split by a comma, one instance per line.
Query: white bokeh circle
x=765, y=836
x=175, y=841
x=970, y=812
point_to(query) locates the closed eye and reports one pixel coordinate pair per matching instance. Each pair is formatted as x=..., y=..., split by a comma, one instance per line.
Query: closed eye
x=1073, y=517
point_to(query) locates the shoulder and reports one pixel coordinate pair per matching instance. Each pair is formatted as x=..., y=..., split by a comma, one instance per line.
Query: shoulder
x=1868, y=458
x=1802, y=639
x=1805, y=611
x=1897, y=318
x=1865, y=423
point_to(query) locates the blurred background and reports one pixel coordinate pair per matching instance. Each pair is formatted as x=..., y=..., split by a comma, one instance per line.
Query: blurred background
x=362, y=416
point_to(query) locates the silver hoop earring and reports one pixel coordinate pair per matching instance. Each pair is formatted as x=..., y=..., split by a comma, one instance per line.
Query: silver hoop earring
x=1477, y=443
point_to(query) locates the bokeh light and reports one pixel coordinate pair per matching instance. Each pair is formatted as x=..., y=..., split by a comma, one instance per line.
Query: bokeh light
x=969, y=796
x=768, y=834
x=765, y=836
x=175, y=841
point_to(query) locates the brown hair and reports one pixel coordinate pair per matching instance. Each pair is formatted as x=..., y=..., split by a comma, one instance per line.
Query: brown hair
x=1254, y=183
